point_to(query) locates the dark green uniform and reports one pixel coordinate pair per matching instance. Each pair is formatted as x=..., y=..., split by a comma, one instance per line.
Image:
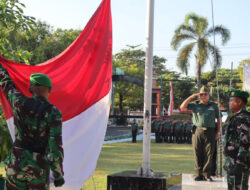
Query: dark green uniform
x=236, y=150
x=157, y=126
x=188, y=133
x=204, y=138
x=178, y=127
x=167, y=129
x=38, y=145
x=134, y=130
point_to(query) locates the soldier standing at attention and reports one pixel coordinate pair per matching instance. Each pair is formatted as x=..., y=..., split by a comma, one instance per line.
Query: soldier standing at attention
x=188, y=131
x=167, y=126
x=204, y=114
x=178, y=130
x=38, y=142
x=157, y=126
x=134, y=128
x=236, y=148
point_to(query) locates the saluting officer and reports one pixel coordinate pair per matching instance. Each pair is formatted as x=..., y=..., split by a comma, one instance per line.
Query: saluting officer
x=204, y=117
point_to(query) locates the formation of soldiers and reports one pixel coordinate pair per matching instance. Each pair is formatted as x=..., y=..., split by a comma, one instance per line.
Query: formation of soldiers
x=172, y=130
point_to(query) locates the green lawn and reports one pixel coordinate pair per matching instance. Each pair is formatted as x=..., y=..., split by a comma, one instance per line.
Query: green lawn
x=165, y=158
x=118, y=157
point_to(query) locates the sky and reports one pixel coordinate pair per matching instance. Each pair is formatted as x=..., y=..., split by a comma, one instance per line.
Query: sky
x=129, y=23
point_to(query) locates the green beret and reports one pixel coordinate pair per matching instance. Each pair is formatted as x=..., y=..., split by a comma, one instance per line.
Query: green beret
x=204, y=89
x=40, y=79
x=239, y=93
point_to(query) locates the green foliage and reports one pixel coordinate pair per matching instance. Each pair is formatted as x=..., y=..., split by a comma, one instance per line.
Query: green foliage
x=182, y=86
x=132, y=62
x=43, y=43
x=195, y=28
x=5, y=139
x=12, y=19
x=209, y=79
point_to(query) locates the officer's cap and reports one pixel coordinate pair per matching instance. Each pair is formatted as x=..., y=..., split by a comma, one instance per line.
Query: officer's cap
x=204, y=89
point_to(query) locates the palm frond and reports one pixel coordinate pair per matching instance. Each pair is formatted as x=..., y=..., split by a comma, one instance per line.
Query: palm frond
x=192, y=16
x=203, y=51
x=183, y=29
x=183, y=57
x=220, y=30
x=217, y=59
x=179, y=38
x=199, y=23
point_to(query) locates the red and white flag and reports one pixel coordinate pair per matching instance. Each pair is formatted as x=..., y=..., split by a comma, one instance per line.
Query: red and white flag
x=81, y=77
x=171, y=102
x=246, y=77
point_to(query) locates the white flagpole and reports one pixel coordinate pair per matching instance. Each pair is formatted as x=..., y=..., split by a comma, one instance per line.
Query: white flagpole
x=146, y=170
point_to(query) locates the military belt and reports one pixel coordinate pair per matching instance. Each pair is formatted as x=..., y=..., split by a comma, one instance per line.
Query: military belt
x=31, y=147
x=205, y=128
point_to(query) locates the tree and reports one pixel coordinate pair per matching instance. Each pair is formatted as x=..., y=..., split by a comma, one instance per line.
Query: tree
x=43, y=43
x=12, y=19
x=182, y=87
x=196, y=29
x=224, y=76
x=132, y=62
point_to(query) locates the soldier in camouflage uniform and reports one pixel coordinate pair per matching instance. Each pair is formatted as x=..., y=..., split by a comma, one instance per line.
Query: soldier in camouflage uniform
x=236, y=147
x=157, y=128
x=188, y=133
x=38, y=142
x=134, y=130
x=167, y=129
x=178, y=125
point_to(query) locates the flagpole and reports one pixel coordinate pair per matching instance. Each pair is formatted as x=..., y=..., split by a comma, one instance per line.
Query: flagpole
x=146, y=170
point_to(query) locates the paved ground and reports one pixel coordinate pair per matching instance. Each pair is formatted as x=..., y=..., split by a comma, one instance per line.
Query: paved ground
x=117, y=130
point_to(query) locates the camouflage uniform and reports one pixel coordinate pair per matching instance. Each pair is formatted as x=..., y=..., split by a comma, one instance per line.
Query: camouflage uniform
x=38, y=145
x=236, y=150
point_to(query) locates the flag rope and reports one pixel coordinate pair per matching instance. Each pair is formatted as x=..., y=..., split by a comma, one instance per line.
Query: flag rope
x=218, y=95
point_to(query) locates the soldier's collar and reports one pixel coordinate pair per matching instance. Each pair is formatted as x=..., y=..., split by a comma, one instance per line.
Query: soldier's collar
x=41, y=98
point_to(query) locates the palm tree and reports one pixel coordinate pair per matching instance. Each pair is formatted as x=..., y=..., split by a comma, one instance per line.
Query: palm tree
x=196, y=29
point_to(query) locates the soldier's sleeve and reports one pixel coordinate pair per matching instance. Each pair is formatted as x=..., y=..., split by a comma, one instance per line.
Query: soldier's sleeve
x=243, y=154
x=9, y=89
x=190, y=106
x=56, y=154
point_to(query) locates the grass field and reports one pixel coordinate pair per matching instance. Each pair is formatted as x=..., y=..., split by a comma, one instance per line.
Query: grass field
x=118, y=157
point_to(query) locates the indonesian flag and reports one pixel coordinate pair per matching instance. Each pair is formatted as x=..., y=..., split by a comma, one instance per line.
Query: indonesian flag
x=171, y=102
x=81, y=77
x=246, y=78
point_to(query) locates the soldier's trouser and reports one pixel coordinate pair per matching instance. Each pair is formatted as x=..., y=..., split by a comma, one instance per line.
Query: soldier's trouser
x=238, y=182
x=134, y=133
x=13, y=183
x=203, y=144
x=157, y=136
x=214, y=160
